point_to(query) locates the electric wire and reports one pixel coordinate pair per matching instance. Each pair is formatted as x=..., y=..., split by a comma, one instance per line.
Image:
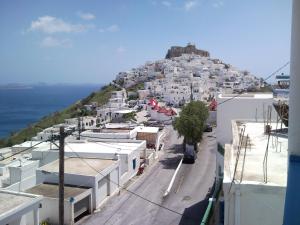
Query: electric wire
x=127, y=190
x=24, y=150
x=132, y=192
x=267, y=78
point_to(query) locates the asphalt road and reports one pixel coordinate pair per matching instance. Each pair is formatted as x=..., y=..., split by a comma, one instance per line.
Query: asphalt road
x=184, y=205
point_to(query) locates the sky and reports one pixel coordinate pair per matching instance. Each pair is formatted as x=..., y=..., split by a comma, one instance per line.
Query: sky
x=90, y=41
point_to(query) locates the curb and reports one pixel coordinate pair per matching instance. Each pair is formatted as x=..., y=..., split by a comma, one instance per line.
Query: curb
x=173, y=179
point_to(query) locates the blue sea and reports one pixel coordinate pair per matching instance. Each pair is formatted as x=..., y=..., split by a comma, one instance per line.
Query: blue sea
x=22, y=107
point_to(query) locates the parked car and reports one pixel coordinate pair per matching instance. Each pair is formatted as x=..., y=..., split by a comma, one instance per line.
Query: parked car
x=208, y=128
x=189, y=155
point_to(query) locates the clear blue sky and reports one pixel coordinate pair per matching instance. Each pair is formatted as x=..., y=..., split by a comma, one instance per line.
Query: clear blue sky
x=85, y=41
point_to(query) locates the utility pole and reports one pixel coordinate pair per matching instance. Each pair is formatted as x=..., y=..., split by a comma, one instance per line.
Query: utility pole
x=79, y=125
x=61, y=174
x=191, y=96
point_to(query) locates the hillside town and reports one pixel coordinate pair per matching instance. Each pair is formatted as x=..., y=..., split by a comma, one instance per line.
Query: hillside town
x=126, y=158
x=187, y=77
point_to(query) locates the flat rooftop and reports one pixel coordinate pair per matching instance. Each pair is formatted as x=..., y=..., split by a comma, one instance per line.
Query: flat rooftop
x=256, y=148
x=103, y=147
x=108, y=130
x=4, y=151
x=28, y=144
x=124, y=111
x=247, y=95
x=11, y=201
x=52, y=190
x=80, y=166
x=15, y=160
x=145, y=129
x=119, y=125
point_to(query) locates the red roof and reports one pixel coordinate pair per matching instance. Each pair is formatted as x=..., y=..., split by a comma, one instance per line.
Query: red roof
x=156, y=107
x=162, y=110
x=152, y=102
x=170, y=112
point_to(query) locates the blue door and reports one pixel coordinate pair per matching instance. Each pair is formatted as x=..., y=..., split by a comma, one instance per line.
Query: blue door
x=134, y=164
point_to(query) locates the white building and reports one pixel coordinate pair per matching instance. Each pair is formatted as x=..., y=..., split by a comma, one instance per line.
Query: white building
x=102, y=175
x=143, y=94
x=128, y=152
x=199, y=78
x=104, y=114
x=16, y=206
x=27, y=145
x=117, y=99
x=118, y=115
x=5, y=152
x=53, y=131
x=252, y=106
x=77, y=201
x=20, y=175
x=17, y=173
x=110, y=133
x=255, y=176
x=149, y=134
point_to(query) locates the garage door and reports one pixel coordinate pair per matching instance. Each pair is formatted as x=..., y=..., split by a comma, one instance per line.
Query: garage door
x=81, y=208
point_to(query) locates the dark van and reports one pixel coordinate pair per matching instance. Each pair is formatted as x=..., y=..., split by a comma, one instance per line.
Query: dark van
x=189, y=155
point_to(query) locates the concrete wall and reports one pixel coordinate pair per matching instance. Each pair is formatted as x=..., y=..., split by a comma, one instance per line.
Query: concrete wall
x=123, y=164
x=131, y=172
x=18, y=214
x=22, y=185
x=20, y=173
x=44, y=157
x=102, y=184
x=71, y=179
x=114, y=177
x=49, y=208
x=249, y=204
x=49, y=212
x=106, y=184
x=126, y=167
x=102, y=188
x=239, y=108
x=19, y=221
x=114, y=135
x=150, y=138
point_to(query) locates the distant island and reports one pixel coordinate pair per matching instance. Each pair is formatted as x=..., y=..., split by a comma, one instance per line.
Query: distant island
x=15, y=87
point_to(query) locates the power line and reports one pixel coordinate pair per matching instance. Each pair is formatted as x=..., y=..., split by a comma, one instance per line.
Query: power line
x=267, y=78
x=26, y=149
x=131, y=192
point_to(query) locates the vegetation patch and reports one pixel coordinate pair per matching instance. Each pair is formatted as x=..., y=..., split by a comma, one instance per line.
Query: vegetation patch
x=136, y=87
x=191, y=122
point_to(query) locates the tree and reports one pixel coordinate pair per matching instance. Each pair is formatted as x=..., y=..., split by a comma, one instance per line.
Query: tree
x=129, y=116
x=191, y=122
